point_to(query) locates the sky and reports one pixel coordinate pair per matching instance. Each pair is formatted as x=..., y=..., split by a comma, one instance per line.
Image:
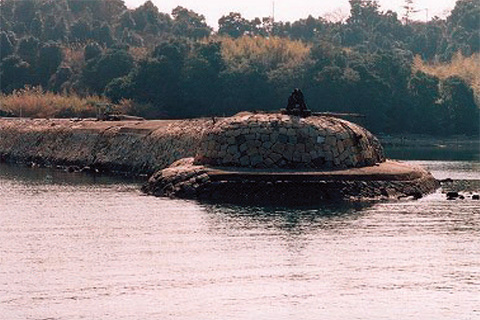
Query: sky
x=291, y=10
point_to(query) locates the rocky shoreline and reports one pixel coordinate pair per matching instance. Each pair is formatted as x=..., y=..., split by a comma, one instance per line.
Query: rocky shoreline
x=390, y=180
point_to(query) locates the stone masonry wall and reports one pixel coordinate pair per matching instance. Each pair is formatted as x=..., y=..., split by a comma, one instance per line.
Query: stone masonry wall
x=282, y=141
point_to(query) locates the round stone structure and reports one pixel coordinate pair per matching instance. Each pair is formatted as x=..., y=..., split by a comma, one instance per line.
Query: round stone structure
x=281, y=141
x=275, y=158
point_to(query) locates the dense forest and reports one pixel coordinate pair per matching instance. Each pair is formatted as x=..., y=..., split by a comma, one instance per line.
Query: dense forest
x=174, y=65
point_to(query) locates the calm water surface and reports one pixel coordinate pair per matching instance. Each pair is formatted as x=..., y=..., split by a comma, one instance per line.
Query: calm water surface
x=78, y=247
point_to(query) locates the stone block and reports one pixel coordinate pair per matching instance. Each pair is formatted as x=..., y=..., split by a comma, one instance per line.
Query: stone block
x=245, y=161
x=335, y=152
x=330, y=141
x=240, y=139
x=300, y=148
x=252, y=151
x=275, y=157
x=288, y=154
x=297, y=157
x=243, y=147
x=269, y=162
x=228, y=159
x=306, y=158
x=274, y=137
x=283, y=138
x=232, y=149
x=278, y=147
x=340, y=146
x=256, y=160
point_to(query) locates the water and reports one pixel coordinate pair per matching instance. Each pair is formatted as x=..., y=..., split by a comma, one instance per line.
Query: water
x=73, y=246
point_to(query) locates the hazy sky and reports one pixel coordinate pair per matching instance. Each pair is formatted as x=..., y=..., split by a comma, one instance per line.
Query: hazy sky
x=290, y=10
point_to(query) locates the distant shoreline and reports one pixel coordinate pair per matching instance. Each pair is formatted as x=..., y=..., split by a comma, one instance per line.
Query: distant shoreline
x=417, y=140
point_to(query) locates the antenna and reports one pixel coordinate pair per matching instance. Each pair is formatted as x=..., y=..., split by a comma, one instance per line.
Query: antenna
x=273, y=10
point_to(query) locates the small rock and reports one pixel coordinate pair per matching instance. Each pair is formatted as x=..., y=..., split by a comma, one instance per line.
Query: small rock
x=476, y=197
x=452, y=194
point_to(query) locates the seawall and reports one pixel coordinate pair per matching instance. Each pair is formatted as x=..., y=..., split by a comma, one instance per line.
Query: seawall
x=132, y=147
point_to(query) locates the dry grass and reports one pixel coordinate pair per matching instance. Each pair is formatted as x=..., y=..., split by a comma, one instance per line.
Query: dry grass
x=467, y=68
x=268, y=53
x=35, y=103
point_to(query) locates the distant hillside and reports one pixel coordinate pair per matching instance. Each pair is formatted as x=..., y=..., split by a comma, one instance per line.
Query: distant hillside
x=174, y=65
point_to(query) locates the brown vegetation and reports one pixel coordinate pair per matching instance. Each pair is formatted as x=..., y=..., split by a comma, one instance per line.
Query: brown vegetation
x=270, y=53
x=36, y=103
x=466, y=68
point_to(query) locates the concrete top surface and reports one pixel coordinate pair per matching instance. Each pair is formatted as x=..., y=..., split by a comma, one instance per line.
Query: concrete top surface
x=389, y=170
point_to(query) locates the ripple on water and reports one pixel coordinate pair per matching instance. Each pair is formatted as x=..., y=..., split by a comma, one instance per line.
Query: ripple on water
x=95, y=247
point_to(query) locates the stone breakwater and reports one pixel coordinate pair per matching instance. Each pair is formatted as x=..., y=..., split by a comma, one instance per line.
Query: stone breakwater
x=247, y=157
x=282, y=141
x=133, y=147
x=388, y=180
x=278, y=158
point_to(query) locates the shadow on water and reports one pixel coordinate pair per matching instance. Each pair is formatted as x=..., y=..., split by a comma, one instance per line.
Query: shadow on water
x=50, y=176
x=298, y=219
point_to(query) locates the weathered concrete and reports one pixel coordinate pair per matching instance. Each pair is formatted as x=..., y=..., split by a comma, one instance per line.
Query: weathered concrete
x=132, y=147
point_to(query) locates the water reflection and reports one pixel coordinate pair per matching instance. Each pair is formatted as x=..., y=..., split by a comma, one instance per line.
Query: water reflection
x=79, y=249
x=460, y=152
x=53, y=176
x=291, y=220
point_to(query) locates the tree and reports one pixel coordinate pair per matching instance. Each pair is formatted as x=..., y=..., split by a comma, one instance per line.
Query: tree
x=233, y=25
x=189, y=24
x=92, y=50
x=5, y=45
x=459, y=102
x=102, y=69
x=148, y=18
x=50, y=57
x=80, y=31
x=28, y=49
x=103, y=34
x=15, y=74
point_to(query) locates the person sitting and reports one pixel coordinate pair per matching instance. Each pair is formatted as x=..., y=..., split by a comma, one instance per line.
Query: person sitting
x=296, y=101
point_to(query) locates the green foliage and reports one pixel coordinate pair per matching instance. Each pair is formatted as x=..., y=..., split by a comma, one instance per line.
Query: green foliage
x=173, y=65
x=233, y=25
x=102, y=69
x=50, y=57
x=15, y=73
x=189, y=24
x=6, y=45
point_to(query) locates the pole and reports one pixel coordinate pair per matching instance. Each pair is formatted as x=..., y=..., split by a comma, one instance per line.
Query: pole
x=273, y=11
